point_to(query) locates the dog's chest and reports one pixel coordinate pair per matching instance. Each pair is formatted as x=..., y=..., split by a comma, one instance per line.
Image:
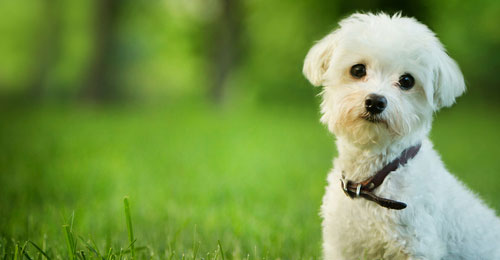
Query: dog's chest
x=358, y=228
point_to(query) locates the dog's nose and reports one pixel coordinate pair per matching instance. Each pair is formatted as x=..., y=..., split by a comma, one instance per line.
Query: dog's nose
x=375, y=104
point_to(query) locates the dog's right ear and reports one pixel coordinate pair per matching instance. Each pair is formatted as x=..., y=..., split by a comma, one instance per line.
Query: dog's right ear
x=318, y=59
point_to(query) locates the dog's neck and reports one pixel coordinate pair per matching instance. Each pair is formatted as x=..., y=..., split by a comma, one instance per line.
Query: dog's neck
x=358, y=163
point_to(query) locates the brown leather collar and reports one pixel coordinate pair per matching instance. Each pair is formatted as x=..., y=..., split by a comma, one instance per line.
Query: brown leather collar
x=365, y=188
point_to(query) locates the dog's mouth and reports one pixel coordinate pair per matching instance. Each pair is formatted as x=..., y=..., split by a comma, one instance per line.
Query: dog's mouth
x=371, y=118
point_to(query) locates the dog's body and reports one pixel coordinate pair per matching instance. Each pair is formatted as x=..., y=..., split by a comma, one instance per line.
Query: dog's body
x=375, y=118
x=443, y=219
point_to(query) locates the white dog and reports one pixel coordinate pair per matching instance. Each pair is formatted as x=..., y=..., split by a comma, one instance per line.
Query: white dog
x=389, y=195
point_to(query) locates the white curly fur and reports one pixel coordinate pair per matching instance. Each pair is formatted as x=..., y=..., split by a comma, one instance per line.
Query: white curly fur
x=444, y=219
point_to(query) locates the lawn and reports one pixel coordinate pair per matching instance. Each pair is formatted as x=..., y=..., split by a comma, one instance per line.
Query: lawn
x=212, y=182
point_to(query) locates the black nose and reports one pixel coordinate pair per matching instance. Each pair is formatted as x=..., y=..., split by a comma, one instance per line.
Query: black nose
x=375, y=104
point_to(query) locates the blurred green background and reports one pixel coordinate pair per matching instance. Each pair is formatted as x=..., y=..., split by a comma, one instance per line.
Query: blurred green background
x=198, y=110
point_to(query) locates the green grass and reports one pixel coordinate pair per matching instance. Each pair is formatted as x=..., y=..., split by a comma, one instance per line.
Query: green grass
x=202, y=182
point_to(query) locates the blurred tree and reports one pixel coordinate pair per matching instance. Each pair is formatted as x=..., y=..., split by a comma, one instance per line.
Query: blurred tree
x=47, y=51
x=167, y=49
x=100, y=84
x=226, y=47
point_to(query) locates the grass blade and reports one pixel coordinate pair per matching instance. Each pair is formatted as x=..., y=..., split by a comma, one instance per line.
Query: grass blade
x=23, y=251
x=72, y=221
x=110, y=254
x=92, y=248
x=195, y=244
x=221, y=250
x=129, y=226
x=69, y=242
x=16, y=252
x=39, y=249
x=27, y=256
x=82, y=254
x=96, y=248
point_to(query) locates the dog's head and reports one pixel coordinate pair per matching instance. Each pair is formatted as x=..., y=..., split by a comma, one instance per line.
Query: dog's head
x=383, y=78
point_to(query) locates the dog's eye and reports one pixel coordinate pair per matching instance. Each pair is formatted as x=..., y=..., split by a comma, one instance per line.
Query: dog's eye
x=358, y=71
x=406, y=81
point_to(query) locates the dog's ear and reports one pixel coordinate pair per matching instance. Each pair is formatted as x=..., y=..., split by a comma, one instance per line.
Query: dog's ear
x=318, y=59
x=448, y=81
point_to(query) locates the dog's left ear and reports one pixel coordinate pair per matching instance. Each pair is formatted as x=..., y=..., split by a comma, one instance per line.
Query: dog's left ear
x=318, y=59
x=448, y=81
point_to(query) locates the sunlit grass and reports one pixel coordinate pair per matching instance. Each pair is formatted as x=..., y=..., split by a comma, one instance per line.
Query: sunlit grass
x=202, y=182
